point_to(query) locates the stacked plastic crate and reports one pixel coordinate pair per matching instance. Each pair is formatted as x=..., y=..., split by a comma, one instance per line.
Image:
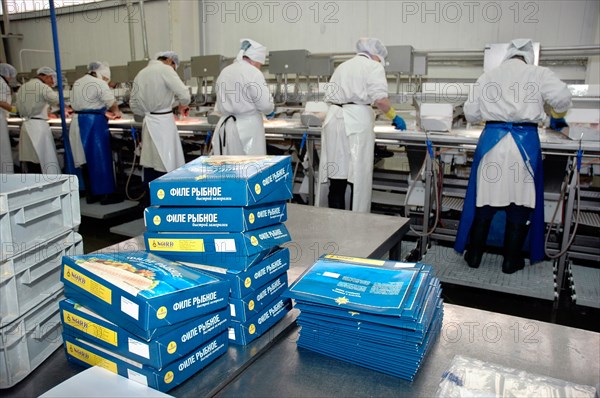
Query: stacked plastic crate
x=143, y=317
x=39, y=216
x=225, y=214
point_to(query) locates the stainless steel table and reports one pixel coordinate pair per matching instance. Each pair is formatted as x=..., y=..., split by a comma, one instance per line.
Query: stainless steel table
x=315, y=231
x=536, y=347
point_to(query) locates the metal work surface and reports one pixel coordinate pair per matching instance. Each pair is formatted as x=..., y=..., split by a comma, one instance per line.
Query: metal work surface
x=98, y=211
x=586, y=284
x=536, y=347
x=533, y=281
x=129, y=229
x=314, y=231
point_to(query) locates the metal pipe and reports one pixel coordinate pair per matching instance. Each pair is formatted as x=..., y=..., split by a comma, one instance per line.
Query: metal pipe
x=202, y=28
x=69, y=164
x=131, y=30
x=6, y=17
x=144, y=34
x=170, y=25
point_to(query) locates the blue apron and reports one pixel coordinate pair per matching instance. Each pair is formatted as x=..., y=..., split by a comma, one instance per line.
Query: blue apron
x=527, y=140
x=95, y=138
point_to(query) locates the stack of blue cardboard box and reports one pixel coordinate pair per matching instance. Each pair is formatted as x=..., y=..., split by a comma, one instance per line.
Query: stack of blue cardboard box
x=146, y=318
x=382, y=315
x=224, y=215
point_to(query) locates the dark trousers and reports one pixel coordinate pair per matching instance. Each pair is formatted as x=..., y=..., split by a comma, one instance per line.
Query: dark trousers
x=337, y=193
x=149, y=176
x=32, y=168
x=514, y=214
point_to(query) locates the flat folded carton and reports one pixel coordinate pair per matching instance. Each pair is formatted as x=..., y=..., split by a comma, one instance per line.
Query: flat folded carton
x=85, y=353
x=246, y=282
x=140, y=291
x=243, y=333
x=213, y=219
x=225, y=181
x=162, y=350
x=245, y=308
x=188, y=245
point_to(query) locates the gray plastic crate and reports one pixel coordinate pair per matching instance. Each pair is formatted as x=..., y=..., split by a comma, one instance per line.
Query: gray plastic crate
x=35, y=207
x=29, y=340
x=29, y=277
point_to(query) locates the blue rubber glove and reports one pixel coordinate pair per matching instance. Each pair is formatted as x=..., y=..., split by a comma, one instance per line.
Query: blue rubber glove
x=558, y=123
x=270, y=115
x=399, y=123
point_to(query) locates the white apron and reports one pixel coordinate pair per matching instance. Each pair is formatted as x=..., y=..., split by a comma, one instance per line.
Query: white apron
x=244, y=136
x=357, y=162
x=161, y=145
x=6, y=159
x=76, y=144
x=36, y=144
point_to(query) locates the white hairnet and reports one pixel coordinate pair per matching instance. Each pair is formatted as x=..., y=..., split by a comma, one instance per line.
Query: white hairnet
x=48, y=71
x=253, y=50
x=523, y=47
x=169, y=54
x=101, y=68
x=372, y=46
x=8, y=71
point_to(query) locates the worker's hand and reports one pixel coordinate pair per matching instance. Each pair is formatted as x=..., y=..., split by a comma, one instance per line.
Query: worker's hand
x=270, y=115
x=398, y=123
x=558, y=123
x=113, y=115
x=184, y=111
x=68, y=111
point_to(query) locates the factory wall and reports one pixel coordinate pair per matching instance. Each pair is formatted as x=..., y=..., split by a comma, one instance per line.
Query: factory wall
x=100, y=30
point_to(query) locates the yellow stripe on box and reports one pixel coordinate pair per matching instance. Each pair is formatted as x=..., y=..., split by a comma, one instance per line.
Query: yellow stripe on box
x=356, y=260
x=90, y=358
x=177, y=245
x=91, y=328
x=87, y=284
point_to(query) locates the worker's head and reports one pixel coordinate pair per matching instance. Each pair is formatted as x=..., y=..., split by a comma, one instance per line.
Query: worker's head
x=99, y=69
x=169, y=58
x=47, y=75
x=8, y=71
x=372, y=47
x=252, y=52
x=521, y=48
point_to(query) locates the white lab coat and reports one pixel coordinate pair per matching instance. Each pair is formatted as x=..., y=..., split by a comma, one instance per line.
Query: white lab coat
x=36, y=143
x=88, y=93
x=348, y=140
x=512, y=92
x=6, y=159
x=155, y=90
x=242, y=92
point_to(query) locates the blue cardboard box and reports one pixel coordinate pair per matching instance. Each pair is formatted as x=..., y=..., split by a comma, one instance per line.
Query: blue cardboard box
x=140, y=291
x=246, y=282
x=188, y=245
x=213, y=219
x=243, y=333
x=250, y=305
x=162, y=350
x=85, y=353
x=225, y=181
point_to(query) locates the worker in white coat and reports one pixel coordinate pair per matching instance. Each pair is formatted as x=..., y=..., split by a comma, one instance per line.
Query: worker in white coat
x=242, y=98
x=156, y=90
x=348, y=140
x=37, y=150
x=506, y=174
x=8, y=73
x=93, y=103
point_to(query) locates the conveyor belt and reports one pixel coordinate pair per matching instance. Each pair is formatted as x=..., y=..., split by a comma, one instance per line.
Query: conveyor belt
x=586, y=285
x=590, y=219
x=533, y=281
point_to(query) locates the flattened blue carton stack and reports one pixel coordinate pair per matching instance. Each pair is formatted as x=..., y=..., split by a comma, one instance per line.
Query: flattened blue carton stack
x=224, y=215
x=382, y=315
x=146, y=318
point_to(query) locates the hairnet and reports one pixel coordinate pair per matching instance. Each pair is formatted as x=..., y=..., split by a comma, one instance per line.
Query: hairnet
x=48, y=71
x=372, y=46
x=253, y=50
x=101, y=68
x=522, y=47
x=169, y=54
x=8, y=71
